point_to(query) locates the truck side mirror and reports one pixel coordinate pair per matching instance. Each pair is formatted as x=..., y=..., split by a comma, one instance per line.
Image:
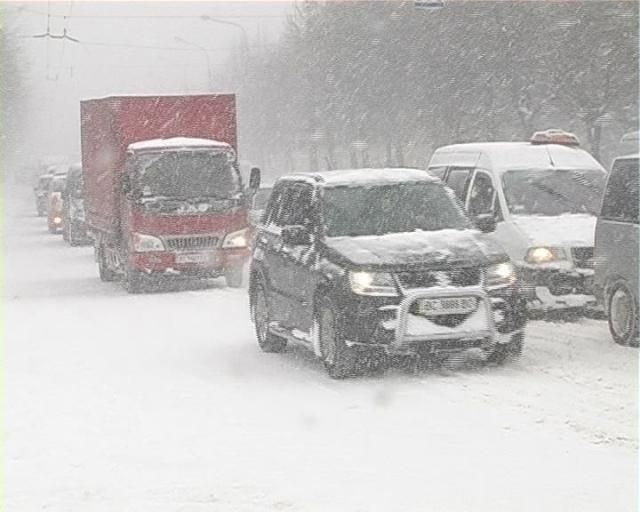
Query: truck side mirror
x=254, y=179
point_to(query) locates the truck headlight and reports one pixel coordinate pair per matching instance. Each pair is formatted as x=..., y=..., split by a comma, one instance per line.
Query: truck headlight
x=236, y=240
x=544, y=255
x=146, y=243
x=500, y=274
x=373, y=283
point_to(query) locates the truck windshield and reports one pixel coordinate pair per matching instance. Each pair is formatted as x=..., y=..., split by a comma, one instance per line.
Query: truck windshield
x=186, y=175
x=553, y=192
x=382, y=209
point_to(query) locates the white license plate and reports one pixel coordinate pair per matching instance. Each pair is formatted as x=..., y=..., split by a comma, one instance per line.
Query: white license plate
x=194, y=257
x=447, y=306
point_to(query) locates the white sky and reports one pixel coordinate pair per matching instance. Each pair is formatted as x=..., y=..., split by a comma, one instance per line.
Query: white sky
x=61, y=73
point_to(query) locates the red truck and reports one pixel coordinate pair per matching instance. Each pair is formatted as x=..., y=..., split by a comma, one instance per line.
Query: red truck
x=164, y=195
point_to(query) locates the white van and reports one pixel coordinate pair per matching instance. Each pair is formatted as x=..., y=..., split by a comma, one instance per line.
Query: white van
x=544, y=196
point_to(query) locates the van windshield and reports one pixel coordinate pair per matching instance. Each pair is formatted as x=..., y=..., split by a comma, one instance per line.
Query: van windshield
x=186, y=175
x=553, y=191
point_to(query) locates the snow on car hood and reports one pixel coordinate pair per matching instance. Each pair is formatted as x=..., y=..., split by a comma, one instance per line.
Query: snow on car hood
x=419, y=248
x=568, y=230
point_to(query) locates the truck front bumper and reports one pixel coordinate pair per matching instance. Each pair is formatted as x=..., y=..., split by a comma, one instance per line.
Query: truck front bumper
x=196, y=263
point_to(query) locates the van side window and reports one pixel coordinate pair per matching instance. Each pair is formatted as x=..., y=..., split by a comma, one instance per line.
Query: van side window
x=458, y=181
x=296, y=206
x=482, y=197
x=621, y=197
x=273, y=206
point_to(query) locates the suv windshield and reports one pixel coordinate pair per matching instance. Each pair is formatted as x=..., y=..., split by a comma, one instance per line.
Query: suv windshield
x=553, y=192
x=398, y=208
x=186, y=175
x=58, y=184
x=43, y=184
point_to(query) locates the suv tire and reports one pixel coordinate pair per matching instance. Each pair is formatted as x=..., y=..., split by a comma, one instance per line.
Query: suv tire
x=507, y=352
x=339, y=360
x=106, y=274
x=622, y=309
x=260, y=311
x=133, y=280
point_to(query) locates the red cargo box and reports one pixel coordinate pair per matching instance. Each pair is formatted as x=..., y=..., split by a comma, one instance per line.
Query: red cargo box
x=109, y=125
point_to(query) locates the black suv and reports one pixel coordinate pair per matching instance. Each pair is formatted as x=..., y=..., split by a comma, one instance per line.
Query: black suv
x=360, y=265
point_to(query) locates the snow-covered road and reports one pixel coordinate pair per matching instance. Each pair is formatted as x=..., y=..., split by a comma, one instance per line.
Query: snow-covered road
x=163, y=402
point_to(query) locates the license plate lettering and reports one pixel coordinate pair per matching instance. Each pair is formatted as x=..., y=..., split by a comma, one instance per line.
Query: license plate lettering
x=447, y=306
x=197, y=257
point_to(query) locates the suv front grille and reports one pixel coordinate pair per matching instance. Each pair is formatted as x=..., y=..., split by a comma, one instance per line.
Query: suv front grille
x=191, y=243
x=430, y=278
x=582, y=257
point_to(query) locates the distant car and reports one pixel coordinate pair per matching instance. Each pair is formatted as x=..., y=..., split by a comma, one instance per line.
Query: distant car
x=41, y=192
x=544, y=196
x=55, y=203
x=363, y=265
x=258, y=205
x=616, y=251
x=74, y=228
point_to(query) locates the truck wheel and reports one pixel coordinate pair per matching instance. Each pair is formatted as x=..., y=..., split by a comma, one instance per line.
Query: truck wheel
x=106, y=274
x=339, y=360
x=133, y=280
x=268, y=342
x=623, y=315
x=511, y=351
x=233, y=277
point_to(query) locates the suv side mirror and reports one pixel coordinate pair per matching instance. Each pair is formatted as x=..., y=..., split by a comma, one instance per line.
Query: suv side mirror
x=295, y=235
x=485, y=222
x=254, y=179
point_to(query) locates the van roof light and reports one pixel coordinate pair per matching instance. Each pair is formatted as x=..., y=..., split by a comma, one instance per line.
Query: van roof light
x=555, y=137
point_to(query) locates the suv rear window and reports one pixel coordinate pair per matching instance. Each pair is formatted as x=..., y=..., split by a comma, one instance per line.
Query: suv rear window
x=621, y=197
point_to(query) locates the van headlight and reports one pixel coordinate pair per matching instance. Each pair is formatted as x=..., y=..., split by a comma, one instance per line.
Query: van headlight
x=146, y=243
x=539, y=255
x=236, y=240
x=500, y=274
x=373, y=283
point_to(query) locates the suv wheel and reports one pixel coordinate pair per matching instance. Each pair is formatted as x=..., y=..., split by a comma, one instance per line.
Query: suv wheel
x=504, y=353
x=339, y=360
x=623, y=315
x=268, y=342
x=133, y=280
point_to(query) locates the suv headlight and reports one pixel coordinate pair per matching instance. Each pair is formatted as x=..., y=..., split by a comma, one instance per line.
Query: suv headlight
x=500, y=274
x=545, y=255
x=146, y=243
x=373, y=283
x=236, y=240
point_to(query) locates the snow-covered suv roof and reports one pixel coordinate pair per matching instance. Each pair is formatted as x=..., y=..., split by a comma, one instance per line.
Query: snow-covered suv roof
x=505, y=156
x=365, y=177
x=177, y=143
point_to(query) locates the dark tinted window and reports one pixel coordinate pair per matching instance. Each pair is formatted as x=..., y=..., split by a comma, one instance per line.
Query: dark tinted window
x=482, y=196
x=296, y=206
x=621, y=196
x=458, y=180
x=398, y=208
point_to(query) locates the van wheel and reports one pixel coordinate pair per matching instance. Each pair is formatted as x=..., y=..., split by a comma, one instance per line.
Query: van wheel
x=268, y=342
x=339, y=360
x=106, y=274
x=507, y=352
x=233, y=277
x=623, y=315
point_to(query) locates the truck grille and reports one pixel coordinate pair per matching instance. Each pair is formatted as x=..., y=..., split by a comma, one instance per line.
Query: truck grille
x=430, y=278
x=582, y=257
x=191, y=243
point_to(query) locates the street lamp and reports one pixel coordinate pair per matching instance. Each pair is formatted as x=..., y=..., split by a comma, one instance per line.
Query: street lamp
x=206, y=56
x=206, y=17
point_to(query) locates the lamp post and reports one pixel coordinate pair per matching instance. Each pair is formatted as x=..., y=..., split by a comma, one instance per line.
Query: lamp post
x=206, y=56
x=245, y=39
